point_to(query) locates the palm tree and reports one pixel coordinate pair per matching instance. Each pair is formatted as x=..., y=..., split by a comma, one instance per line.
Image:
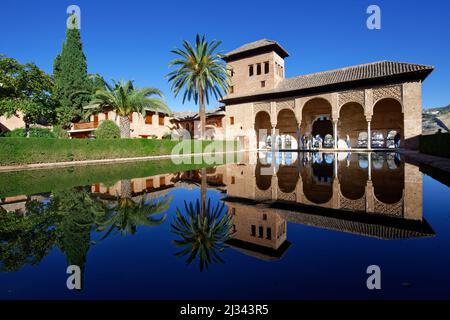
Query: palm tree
x=200, y=72
x=125, y=99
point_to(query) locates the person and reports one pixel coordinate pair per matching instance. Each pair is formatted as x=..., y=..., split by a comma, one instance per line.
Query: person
x=303, y=141
x=397, y=140
x=347, y=141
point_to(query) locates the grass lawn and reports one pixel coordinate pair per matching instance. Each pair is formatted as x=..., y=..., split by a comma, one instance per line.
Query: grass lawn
x=16, y=151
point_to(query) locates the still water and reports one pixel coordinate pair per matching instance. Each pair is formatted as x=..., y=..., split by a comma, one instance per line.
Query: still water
x=270, y=226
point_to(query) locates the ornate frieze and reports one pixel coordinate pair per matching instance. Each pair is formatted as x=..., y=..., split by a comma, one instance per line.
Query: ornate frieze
x=261, y=107
x=388, y=92
x=353, y=205
x=395, y=209
x=351, y=96
x=285, y=104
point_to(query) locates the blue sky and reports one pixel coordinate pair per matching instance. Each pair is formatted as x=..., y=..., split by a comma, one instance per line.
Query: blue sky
x=132, y=39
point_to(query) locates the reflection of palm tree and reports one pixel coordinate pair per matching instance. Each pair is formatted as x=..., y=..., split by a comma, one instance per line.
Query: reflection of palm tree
x=203, y=231
x=127, y=214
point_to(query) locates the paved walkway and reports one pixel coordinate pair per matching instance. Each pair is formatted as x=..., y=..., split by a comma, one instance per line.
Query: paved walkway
x=415, y=157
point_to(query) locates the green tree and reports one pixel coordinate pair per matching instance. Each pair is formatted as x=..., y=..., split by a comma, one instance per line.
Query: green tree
x=70, y=74
x=200, y=72
x=27, y=90
x=124, y=99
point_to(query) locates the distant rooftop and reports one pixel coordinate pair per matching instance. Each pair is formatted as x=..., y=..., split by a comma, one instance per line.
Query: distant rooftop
x=256, y=46
x=190, y=115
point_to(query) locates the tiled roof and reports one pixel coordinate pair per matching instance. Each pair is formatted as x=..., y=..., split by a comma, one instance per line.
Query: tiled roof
x=256, y=45
x=189, y=115
x=372, y=70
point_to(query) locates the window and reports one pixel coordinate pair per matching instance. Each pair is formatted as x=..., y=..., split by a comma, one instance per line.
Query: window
x=264, y=216
x=231, y=72
x=233, y=180
x=161, y=119
x=148, y=117
x=97, y=187
x=96, y=118
x=131, y=117
x=162, y=181
x=266, y=67
x=263, y=84
x=231, y=89
x=269, y=234
x=260, y=232
x=253, y=230
x=149, y=183
x=258, y=69
x=231, y=120
x=106, y=115
x=250, y=70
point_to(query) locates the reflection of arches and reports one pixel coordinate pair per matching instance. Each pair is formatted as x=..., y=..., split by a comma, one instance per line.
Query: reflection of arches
x=387, y=116
x=352, y=121
x=262, y=122
x=263, y=182
x=388, y=183
x=287, y=178
x=318, y=182
x=287, y=128
x=352, y=178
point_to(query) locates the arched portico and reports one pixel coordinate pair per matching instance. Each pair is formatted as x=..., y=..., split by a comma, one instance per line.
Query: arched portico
x=287, y=127
x=263, y=129
x=352, y=125
x=387, y=117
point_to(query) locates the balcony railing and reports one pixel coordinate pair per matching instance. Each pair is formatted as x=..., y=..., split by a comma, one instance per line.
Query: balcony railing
x=85, y=125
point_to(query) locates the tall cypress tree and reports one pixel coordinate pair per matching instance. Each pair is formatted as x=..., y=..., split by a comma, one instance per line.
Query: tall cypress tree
x=70, y=73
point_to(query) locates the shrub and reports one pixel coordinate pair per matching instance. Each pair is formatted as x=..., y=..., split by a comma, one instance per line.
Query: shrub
x=107, y=129
x=167, y=136
x=437, y=144
x=60, y=132
x=34, y=133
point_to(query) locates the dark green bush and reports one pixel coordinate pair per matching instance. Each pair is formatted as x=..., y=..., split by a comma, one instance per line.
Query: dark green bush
x=167, y=136
x=107, y=129
x=60, y=132
x=34, y=133
x=436, y=144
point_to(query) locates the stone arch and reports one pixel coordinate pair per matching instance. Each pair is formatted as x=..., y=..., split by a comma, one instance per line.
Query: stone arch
x=352, y=122
x=313, y=108
x=287, y=126
x=262, y=122
x=387, y=115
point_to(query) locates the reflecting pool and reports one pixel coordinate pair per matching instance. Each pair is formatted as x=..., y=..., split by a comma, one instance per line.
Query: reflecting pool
x=270, y=226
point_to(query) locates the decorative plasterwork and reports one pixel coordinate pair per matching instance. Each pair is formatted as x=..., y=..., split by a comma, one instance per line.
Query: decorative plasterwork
x=387, y=92
x=351, y=96
x=286, y=104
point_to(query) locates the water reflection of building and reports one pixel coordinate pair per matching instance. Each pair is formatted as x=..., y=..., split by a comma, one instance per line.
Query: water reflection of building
x=374, y=195
x=258, y=233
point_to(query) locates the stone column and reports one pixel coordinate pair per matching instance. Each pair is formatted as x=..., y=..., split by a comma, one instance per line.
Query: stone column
x=369, y=134
x=335, y=130
x=274, y=138
x=299, y=138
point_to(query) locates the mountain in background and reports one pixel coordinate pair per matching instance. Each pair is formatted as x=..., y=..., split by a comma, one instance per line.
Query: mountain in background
x=434, y=119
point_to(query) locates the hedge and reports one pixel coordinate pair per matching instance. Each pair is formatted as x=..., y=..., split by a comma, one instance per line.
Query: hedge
x=437, y=144
x=14, y=151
